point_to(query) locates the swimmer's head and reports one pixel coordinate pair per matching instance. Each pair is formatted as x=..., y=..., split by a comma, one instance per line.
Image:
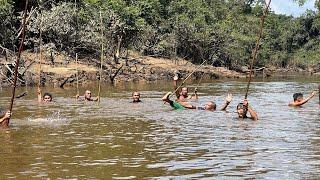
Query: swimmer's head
x=47, y=97
x=210, y=106
x=242, y=110
x=136, y=96
x=184, y=91
x=87, y=94
x=297, y=97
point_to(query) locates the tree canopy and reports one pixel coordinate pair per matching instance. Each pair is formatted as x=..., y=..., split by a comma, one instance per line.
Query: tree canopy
x=223, y=32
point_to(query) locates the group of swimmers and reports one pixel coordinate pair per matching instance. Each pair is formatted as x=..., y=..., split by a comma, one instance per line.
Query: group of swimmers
x=182, y=94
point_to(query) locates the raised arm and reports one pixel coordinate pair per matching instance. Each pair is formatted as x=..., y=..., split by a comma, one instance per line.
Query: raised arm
x=303, y=101
x=96, y=99
x=39, y=95
x=175, y=79
x=6, y=116
x=227, y=102
x=195, y=94
x=253, y=113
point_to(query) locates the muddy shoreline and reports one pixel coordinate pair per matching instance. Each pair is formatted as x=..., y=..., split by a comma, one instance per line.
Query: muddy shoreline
x=62, y=70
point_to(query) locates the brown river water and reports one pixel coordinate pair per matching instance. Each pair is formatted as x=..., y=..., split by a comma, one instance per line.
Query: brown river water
x=149, y=140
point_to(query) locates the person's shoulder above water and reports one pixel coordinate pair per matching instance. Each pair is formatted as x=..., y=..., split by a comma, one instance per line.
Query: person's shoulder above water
x=298, y=99
x=86, y=97
x=244, y=108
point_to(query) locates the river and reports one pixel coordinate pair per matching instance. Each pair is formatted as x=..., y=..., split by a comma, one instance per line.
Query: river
x=121, y=140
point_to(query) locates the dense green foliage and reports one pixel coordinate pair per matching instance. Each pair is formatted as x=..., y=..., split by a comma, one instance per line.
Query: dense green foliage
x=224, y=32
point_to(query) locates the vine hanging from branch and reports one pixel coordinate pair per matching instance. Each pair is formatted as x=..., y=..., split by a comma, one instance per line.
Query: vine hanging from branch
x=255, y=50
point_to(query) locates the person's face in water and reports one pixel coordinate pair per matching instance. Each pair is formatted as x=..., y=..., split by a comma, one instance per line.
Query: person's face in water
x=136, y=97
x=184, y=91
x=47, y=98
x=300, y=98
x=241, y=110
x=87, y=94
x=209, y=106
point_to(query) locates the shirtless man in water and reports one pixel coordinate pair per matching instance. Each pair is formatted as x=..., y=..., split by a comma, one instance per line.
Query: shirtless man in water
x=209, y=106
x=298, y=99
x=182, y=94
x=136, y=97
x=244, y=108
x=47, y=97
x=86, y=97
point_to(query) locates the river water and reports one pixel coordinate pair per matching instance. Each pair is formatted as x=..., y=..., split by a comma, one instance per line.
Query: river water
x=121, y=140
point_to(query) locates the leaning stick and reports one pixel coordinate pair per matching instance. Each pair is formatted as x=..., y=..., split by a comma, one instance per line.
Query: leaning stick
x=101, y=59
x=6, y=122
x=189, y=76
x=319, y=93
x=77, y=74
x=40, y=52
x=255, y=50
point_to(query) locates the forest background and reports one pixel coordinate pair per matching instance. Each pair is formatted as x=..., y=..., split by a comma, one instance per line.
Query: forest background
x=222, y=32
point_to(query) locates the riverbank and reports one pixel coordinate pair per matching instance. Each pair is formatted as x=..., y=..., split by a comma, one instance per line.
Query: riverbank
x=62, y=70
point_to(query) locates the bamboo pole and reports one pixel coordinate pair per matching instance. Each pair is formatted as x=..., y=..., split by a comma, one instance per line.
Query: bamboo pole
x=101, y=59
x=6, y=122
x=40, y=52
x=77, y=68
x=77, y=74
x=319, y=92
x=255, y=50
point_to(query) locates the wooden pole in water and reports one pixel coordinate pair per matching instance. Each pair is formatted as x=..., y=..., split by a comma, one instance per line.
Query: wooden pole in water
x=255, y=50
x=101, y=59
x=319, y=93
x=77, y=68
x=77, y=74
x=6, y=122
x=40, y=51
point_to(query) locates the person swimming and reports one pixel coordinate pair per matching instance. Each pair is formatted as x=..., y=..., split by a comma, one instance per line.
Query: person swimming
x=136, y=97
x=86, y=97
x=298, y=99
x=209, y=106
x=244, y=108
x=182, y=93
x=47, y=97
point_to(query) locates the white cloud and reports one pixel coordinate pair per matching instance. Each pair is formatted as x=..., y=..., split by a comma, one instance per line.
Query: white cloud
x=289, y=7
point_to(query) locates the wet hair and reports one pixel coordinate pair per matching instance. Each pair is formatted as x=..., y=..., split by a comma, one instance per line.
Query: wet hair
x=2, y=112
x=297, y=95
x=214, y=106
x=47, y=94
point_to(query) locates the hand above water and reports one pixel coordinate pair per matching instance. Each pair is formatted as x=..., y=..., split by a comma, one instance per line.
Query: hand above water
x=175, y=78
x=229, y=98
x=7, y=115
